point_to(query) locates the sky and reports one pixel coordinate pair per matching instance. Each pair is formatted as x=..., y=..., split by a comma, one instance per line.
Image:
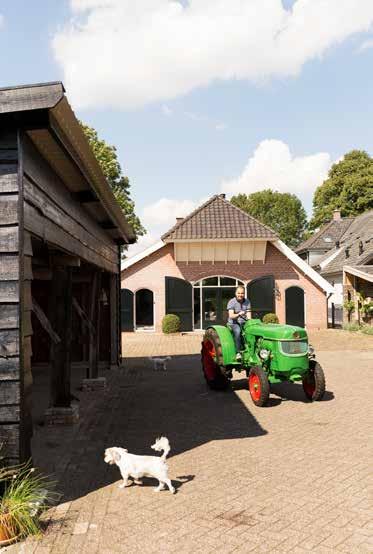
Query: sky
x=204, y=96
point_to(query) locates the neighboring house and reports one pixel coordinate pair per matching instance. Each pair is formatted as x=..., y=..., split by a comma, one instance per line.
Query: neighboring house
x=348, y=264
x=60, y=235
x=194, y=270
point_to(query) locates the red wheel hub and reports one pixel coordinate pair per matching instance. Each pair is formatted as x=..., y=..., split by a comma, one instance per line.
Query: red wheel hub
x=309, y=384
x=209, y=357
x=254, y=386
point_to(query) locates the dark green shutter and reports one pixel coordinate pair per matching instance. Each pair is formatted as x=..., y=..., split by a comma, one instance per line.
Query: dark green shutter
x=179, y=301
x=261, y=293
x=126, y=310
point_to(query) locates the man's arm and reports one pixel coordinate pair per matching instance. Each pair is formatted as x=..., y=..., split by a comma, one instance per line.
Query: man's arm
x=234, y=316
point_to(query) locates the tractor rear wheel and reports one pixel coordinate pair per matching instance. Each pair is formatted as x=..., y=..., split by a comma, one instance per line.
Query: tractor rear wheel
x=258, y=386
x=314, y=382
x=212, y=360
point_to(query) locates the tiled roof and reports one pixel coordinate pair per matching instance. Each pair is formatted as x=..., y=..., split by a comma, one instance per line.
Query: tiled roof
x=364, y=268
x=326, y=237
x=356, y=245
x=218, y=219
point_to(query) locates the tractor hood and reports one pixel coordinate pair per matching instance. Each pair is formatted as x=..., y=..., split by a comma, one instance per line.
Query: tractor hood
x=274, y=331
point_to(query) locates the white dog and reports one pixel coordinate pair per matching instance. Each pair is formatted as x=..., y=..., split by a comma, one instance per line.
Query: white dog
x=160, y=362
x=131, y=465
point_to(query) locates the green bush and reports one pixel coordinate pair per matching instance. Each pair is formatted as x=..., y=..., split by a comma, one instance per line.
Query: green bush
x=171, y=324
x=367, y=329
x=270, y=318
x=351, y=327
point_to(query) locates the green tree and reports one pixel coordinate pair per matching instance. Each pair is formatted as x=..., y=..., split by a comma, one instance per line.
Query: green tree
x=281, y=211
x=348, y=188
x=106, y=156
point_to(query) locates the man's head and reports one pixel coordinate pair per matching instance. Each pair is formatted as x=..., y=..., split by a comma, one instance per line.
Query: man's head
x=240, y=293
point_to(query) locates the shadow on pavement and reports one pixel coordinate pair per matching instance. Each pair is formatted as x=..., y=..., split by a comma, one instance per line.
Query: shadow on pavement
x=139, y=405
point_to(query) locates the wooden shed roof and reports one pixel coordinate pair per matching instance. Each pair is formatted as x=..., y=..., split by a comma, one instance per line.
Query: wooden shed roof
x=47, y=117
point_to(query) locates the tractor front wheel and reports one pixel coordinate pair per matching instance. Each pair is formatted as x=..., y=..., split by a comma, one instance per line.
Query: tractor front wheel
x=212, y=359
x=258, y=386
x=314, y=382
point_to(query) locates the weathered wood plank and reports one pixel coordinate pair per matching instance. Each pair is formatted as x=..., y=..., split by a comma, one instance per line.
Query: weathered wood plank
x=27, y=326
x=52, y=211
x=9, y=239
x=9, y=368
x=27, y=268
x=8, y=178
x=27, y=244
x=9, y=268
x=9, y=392
x=9, y=436
x=8, y=209
x=49, y=231
x=9, y=316
x=9, y=291
x=44, y=322
x=9, y=343
x=9, y=413
x=41, y=174
x=27, y=300
x=114, y=325
x=83, y=316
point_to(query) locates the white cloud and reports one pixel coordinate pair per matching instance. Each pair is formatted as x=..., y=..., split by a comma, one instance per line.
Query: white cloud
x=164, y=211
x=126, y=53
x=366, y=45
x=167, y=111
x=272, y=165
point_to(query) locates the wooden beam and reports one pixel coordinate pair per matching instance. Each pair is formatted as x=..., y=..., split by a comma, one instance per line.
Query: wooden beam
x=94, y=316
x=84, y=317
x=85, y=196
x=108, y=224
x=44, y=322
x=64, y=260
x=114, y=321
x=61, y=315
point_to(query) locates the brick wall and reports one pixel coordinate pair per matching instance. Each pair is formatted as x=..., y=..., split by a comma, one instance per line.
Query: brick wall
x=151, y=271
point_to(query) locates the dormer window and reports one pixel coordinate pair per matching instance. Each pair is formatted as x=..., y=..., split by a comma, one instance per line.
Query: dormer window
x=327, y=239
x=347, y=252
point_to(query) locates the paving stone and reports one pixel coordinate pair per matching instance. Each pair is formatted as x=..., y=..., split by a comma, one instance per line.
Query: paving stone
x=292, y=477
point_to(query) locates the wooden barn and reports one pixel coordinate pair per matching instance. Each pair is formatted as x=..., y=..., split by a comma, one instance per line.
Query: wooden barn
x=60, y=235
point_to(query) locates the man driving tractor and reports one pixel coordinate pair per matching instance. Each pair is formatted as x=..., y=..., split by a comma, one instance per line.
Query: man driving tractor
x=239, y=311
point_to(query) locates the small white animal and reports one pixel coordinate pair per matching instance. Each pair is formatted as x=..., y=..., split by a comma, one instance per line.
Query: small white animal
x=160, y=363
x=131, y=465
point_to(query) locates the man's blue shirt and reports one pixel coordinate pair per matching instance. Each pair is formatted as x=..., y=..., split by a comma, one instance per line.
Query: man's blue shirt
x=237, y=307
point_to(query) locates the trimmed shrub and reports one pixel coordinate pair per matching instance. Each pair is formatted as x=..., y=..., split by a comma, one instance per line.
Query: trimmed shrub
x=270, y=318
x=171, y=324
x=367, y=329
x=351, y=327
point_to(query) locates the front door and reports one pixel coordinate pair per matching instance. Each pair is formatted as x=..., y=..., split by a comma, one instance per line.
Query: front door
x=214, y=305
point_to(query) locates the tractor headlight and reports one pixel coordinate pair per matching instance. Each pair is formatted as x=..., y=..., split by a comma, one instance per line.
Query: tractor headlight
x=264, y=354
x=311, y=350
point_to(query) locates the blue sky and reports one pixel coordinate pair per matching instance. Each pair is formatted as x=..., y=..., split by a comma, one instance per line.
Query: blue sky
x=187, y=125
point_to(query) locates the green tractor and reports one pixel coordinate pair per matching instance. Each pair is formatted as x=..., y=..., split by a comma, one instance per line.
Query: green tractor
x=272, y=353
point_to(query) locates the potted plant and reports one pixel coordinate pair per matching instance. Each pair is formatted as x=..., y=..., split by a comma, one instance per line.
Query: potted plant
x=24, y=495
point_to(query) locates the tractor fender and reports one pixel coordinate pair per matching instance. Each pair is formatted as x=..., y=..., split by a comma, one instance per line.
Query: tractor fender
x=227, y=344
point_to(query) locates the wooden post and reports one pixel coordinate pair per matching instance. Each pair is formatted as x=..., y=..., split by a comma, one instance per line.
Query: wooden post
x=94, y=316
x=114, y=324
x=61, y=316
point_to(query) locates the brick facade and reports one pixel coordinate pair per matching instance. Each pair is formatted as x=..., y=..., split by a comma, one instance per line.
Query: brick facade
x=150, y=273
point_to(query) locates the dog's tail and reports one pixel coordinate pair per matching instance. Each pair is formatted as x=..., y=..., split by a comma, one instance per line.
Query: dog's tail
x=162, y=444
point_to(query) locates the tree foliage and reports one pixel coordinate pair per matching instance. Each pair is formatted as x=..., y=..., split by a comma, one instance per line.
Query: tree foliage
x=106, y=156
x=348, y=188
x=282, y=212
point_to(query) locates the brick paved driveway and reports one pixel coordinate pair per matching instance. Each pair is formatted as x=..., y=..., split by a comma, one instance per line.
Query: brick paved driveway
x=292, y=477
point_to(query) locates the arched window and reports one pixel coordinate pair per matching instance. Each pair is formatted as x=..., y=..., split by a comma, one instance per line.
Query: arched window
x=210, y=299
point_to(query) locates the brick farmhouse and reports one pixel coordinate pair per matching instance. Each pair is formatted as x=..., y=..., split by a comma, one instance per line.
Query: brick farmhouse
x=194, y=269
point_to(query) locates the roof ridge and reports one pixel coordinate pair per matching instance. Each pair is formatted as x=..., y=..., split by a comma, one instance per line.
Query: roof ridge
x=251, y=216
x=34, y=85
x=189, y=216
